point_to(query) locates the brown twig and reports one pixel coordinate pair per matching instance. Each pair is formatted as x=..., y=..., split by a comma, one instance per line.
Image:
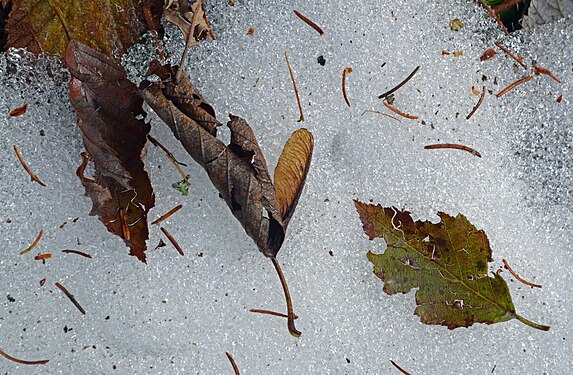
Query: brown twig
x=541, y=70
x=19, y=111
x=167, y=215
x=124, y=225
x=309, y=22
x=478, y=104
x=507, y=267
x=344, y=73
x=21, y=361
x=171, y=158
x=33, y=243
x=77, y=252
x=494, y=15
x=391, y=91
x=274, y=313
x=400, y=368
x=191, y=41
x=513, y=85
x=71, y=298
x=301, y=118
x=508, y=53
x=172, y=240
x=453, y=146
x=290, y=313
x=32, y=175
x=381, y=113
x=397, y=111
x=233, y=363
x=43, y=256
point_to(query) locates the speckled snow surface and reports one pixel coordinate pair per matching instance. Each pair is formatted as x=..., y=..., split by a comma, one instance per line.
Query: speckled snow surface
x=180, y=314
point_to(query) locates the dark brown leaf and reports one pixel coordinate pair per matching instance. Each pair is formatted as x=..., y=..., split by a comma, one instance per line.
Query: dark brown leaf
x=181, y=13
x=19, y=111
x=110, y=116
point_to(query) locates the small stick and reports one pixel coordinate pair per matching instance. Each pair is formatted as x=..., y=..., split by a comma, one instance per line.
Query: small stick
x=508, y=52
x=494, y=15
x=124, y=227
x=478, y=104
x=77, y=252
x=43, y=256
x=309, y=22
x=190, y=41
x=19, y=111
x=151, y=27
x=34, y=243
x=381, y=113
x=301, y=119
x=167, y=215
x=513, y=85
x=175, y=162
x=344, y=73
x=397, y=111
x=400, y=368
x=21, y=361
x=507, y=267
x=290, y=314
x=71, y=297
x=172, y=240
x=454, y=146
x=233, y=363
x=541, y=70
x=391, y=91
x=268, y=312
x=32, y=175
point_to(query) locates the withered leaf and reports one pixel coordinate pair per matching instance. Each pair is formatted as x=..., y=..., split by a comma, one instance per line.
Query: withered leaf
x=110, y=27
x=110, y=116
x=447, y=261
x=182, y=14
x=19, y=111
x=291, y=171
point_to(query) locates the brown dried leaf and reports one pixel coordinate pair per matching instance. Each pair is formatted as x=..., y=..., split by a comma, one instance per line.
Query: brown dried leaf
x=181, y=14
x=291, y=171
x=108, y=109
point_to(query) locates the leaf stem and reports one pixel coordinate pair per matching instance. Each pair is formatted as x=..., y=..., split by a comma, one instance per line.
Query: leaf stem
x=531, y=324
x=290, y=314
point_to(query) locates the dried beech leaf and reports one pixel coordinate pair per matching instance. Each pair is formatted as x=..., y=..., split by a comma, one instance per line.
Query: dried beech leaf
x=447, y=261
x=110, y=27
x=181, y=14
x=110, y=117
x=291, y=171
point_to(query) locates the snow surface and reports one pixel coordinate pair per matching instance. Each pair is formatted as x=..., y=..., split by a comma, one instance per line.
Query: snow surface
x=180, y=314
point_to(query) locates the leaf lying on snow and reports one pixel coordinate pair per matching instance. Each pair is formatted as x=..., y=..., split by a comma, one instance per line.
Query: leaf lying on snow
x=189, y=16
x=447, y=261
x=238, y=171
x=110, y=116
x=111, y=27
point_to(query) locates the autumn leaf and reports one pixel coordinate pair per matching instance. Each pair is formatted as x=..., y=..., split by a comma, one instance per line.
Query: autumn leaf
x=189, y=18
x=110, y=116
x=447, y=261
x=110, y=27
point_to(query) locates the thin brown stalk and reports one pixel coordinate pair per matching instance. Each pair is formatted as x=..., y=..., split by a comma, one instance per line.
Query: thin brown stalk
x=397, y=111
x=513, y=85
x=191, y=41
x=167, y=215
x=381, y=113
x=32, y=175
x=124, y=227
x=71, y=298
x=233, y=363
x=400, y=368
x=77, y=252
x=508, y=53
x=393, y=90
x=33, y=243
x=171, y=158
x=147, y=14
x=21, y=361
x=301, y=118
x=541, y=70
x=19, y=111
x=290, y=313
x=309, y=22
x=344, y=73
x=478, y=104
x=43, y=256
x=453, y=146
x=507, y=267
x=274, y=313
x=172, y=240
x=494, y=15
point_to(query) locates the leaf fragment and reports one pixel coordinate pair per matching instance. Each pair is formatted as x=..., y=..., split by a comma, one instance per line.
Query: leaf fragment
x=19, y=111
x=447, y=261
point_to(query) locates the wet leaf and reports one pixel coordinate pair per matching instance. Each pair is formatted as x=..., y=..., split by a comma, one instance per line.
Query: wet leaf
x=110, y=116
x=181, y=14
x=447, y=261
x=110, y=27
